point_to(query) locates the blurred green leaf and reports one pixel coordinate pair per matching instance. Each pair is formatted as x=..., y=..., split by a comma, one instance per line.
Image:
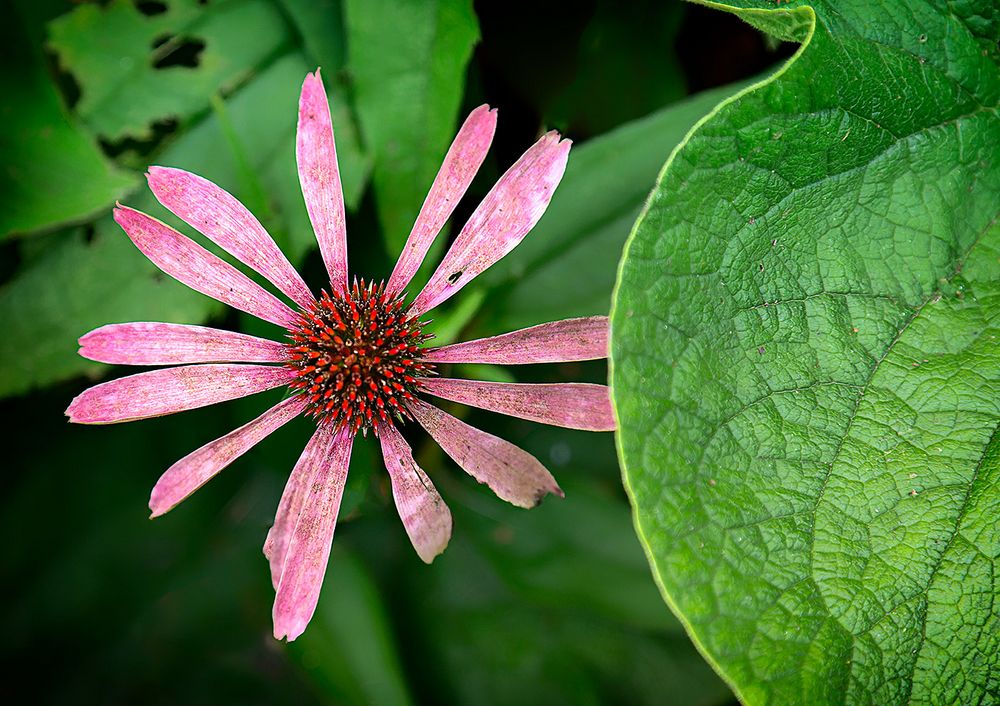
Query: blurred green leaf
x=349, y=650
x=83, y=279
x=135, y=69
x=552, y=606
x=562, y=268
x=320, y=23
x=51, y=171
x=407, y=63
x=626, y=67
x=448, y=322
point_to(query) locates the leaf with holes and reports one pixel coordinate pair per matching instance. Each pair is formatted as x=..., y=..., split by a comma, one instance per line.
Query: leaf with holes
x=135, y=69
x=105, y=279
x=806, y=363
x=51, y=171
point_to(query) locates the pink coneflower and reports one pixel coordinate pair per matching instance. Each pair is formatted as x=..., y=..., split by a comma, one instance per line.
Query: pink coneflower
x=354, y=358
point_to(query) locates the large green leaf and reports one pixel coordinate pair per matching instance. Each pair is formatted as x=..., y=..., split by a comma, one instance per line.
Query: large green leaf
x=51, y=171
x=806, y=363
x=407, y=62
x=135, y=69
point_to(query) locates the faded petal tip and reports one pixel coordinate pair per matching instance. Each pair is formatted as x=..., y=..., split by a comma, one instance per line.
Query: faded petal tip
x=308, y=544
x=512, y=473
x=425, y=515
x=460, y=165
x=197, y=468
x=502, y=220
x=319, y=177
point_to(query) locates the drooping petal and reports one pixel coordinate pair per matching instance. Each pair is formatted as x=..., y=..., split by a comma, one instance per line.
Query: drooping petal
x=186, y=261
x=197, y=468
x=460, y=165
x=314, y=455
x=221, y=218
x=424, y=514
x=554, y=342
x=170, y=390
x=575, y=405
x=509, y=211
x=319, y=175
x=308, y=548
x=149, y=343
x=512, y=473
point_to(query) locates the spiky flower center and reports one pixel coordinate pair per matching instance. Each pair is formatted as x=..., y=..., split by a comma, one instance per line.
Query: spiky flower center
x=357, y=356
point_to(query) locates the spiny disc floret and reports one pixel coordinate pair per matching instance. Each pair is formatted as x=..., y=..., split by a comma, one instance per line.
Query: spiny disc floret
x=357, y=357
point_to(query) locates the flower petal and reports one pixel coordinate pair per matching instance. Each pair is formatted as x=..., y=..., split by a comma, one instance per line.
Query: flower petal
x=225, y=221
x=197, y=468
x=322, y=472
x=319, y=175
x=460, y=165
x=512, y=473
x=425, y=516
x=509, y=211
x=292, y=499
x=146, y=343
x=554, y=342
x=575, y=405
x=186, y=261
x=170, y=390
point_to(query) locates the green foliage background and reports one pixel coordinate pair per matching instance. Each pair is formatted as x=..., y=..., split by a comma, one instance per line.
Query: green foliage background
x=555, y=605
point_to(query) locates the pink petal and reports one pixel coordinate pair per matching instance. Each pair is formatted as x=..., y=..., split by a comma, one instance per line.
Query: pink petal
x=226, y=222
x=513, y=474
x=460, y=165
x=319, y=176
x=188, y=262
x=309, y=543
x=292, y=499
x=170, y=390
x=425, y=516
x=198, y=467
x=555, y=342
x=144, y=343
x=576, y=405
x=509, y=211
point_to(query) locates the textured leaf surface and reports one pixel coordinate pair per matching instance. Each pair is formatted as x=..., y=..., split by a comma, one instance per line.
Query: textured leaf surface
x=806, y=364
x=407, y=61
x=164, y=65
